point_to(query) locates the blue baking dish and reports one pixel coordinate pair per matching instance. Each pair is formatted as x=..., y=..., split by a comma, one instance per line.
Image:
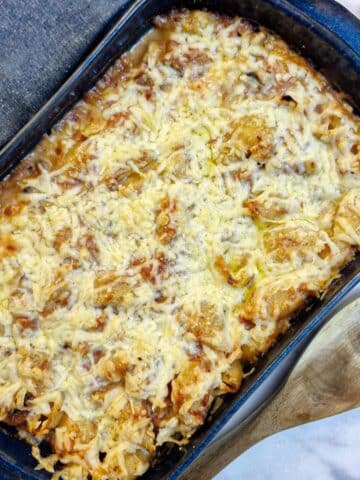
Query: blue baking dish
x=322, y=31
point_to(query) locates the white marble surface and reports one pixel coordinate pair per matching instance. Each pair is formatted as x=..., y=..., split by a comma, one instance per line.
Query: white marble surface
x=324, y=450
x=354, y=6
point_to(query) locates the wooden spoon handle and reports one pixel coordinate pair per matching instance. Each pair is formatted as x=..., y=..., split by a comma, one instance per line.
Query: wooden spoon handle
x=224, y=450
x=325, y=381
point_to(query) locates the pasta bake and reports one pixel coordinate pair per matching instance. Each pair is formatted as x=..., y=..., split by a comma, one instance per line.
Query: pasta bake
x=156, y=243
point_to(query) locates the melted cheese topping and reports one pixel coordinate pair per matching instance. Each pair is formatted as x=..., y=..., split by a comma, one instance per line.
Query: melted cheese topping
x=163, y=235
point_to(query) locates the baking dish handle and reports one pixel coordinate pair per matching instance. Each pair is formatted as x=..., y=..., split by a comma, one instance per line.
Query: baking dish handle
x=335, y=17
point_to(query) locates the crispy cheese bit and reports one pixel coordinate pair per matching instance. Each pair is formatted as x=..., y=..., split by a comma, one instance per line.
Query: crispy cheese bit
x=192, y=409
x=111, y=289
x=232, y=377
x=16, y=418
x=25, y=323
x=62, y=236
x=8, y=246
x=70, y=436
x=165, y=228
x=298, y=242
x=92, y=120
x=41, y=424
x=59, y=298
x=253, y=136
x=204, y=325
x=89, y=244
x=266, y=209
x=238, y=271
x=347, y=219
x=275, y=302
x=115, y=368
x=14, y=208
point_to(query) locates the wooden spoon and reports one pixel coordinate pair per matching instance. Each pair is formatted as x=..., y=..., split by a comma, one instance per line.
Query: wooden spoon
x=324, y=382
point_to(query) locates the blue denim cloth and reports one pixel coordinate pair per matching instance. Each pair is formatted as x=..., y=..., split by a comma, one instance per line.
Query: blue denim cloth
x=41, y=42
